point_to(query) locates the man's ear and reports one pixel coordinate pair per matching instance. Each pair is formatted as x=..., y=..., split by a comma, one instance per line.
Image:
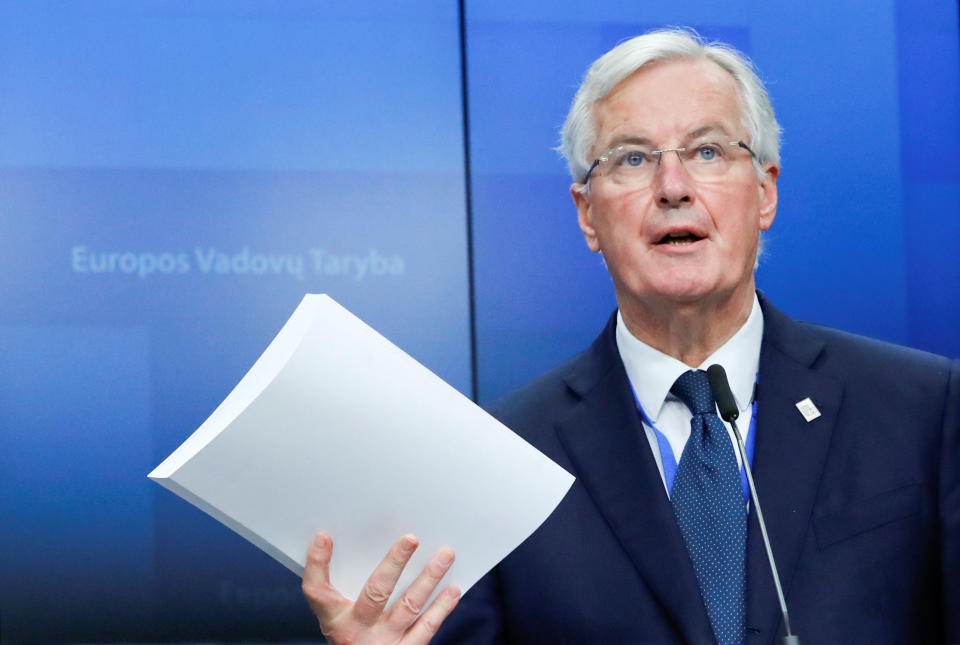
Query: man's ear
x=768, y=195
x=581, y=197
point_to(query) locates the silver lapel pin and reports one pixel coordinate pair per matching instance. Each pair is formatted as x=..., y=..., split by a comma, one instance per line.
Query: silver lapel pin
x=808, y=409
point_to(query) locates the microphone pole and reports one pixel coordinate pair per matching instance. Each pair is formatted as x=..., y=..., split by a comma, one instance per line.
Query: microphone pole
x=729, y=411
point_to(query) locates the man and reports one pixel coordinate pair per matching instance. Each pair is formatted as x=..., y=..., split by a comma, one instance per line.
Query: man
x=855, y=444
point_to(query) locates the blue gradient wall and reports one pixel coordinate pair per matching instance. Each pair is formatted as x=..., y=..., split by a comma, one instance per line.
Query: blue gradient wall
x=175, y=175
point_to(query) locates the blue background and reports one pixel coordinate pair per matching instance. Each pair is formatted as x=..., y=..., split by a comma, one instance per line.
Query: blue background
x=175, y=127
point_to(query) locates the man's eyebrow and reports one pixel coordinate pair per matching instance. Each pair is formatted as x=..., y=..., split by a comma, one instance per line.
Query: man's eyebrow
x=633, y=139
x=640, y=140
x=707, y=129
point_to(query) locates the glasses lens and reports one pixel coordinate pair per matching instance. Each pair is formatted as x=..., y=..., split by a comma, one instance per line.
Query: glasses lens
x=708, y=159
x=629, y=164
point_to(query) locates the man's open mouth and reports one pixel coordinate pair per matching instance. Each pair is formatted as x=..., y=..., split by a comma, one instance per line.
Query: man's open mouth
x=679, y=238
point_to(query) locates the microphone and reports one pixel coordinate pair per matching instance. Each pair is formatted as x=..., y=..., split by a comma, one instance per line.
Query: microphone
x=720, y=387
x=729, y=411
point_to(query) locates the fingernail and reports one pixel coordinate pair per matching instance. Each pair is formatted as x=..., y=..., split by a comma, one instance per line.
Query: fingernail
x=445, y=557
x=319, y=540
x=409, y=543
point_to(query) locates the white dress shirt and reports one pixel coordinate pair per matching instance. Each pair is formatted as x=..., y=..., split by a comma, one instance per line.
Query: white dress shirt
x=652, y=373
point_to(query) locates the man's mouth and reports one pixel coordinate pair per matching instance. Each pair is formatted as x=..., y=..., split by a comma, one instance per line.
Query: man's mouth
x=679, y=238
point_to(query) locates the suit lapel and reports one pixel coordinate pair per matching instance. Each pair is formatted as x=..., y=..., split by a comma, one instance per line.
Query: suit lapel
x=789, y=457
x=605, y=440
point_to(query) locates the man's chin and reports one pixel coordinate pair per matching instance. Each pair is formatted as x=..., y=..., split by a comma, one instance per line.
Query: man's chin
x=694, y=290
x=686, y=288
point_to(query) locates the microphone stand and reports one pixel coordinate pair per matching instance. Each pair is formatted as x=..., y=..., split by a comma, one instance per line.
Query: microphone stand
x=790, y=638
x=729, y=411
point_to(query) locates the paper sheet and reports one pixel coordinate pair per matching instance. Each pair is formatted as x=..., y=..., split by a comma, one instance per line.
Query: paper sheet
x=334, y=428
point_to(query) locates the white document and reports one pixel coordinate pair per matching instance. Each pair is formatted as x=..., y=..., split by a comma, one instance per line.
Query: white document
x=336, y=429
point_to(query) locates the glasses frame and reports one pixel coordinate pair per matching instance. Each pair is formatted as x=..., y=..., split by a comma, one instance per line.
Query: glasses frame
x=659, y=153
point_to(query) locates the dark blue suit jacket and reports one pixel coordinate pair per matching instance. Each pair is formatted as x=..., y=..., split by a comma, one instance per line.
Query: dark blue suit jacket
x=862, y=505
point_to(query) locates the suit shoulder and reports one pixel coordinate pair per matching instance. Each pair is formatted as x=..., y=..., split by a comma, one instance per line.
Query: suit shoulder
x=846, y=354
x=880, y=371
x=864, y=353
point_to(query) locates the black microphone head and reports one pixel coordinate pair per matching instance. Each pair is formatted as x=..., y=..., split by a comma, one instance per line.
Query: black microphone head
x=722, y=394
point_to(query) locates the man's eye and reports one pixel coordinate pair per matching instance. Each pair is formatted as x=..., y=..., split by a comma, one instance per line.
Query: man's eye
x=707, y=153
x=634, y=158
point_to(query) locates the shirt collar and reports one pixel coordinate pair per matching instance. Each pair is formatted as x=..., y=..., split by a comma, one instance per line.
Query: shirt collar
x=652, y=373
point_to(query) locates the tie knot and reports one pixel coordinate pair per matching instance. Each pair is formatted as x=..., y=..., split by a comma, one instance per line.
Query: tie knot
x=693, y=388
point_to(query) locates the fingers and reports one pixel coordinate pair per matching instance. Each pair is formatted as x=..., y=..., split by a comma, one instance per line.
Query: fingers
x=429, y=622
x=343, y=621
x=323, y=597
x=376, y=592
x=412, y=601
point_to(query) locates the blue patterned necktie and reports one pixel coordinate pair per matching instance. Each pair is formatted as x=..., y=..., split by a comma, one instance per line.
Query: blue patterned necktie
x=708, y=503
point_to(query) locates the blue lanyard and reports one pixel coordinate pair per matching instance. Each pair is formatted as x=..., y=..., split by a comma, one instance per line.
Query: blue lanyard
x=669, y=462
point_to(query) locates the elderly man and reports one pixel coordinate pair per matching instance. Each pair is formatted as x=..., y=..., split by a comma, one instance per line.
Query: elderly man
x=855, y=444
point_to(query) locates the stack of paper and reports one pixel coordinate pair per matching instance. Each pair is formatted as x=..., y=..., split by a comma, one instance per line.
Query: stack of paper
x=336, y=429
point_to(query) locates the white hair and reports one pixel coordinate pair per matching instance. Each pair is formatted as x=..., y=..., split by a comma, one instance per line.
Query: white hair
x=579, y=130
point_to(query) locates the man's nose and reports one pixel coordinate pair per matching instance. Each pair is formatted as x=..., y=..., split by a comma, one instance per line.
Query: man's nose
x=672, y=182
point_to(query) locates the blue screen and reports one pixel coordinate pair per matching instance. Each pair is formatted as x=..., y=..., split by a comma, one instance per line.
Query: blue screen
x=174, y=176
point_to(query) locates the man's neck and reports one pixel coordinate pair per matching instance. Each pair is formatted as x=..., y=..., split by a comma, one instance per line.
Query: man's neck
x=688, y=331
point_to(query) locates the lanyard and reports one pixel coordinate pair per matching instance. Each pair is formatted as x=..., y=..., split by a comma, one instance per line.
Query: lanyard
x=669, y=462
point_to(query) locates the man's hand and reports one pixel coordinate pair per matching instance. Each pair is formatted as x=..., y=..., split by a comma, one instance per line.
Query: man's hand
x=365, y=622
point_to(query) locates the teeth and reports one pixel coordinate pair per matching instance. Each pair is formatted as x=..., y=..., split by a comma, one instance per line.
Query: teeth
x=680, y=238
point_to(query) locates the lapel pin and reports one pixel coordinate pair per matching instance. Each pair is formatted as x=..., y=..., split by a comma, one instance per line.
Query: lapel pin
x=808, y=409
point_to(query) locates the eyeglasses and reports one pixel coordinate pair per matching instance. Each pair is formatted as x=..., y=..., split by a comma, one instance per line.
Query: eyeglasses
x=636, y=165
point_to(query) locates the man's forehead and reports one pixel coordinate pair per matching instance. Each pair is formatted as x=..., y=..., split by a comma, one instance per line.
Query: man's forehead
x=669, y=98
x=681, y=73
